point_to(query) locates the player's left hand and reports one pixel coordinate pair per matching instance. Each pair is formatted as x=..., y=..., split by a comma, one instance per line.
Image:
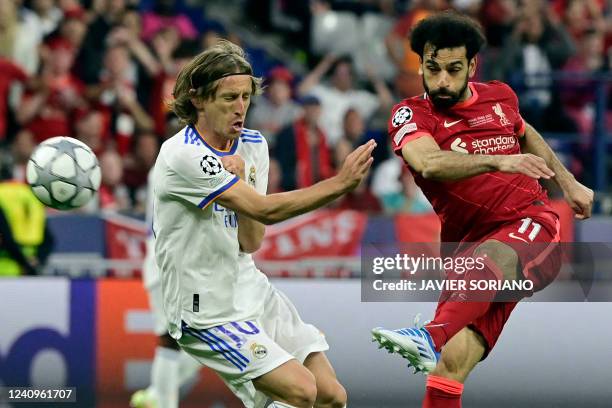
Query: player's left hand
x=580, y=198
x=234, y=164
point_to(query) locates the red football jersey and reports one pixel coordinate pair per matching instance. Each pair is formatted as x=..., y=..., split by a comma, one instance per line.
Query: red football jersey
x=488, y=122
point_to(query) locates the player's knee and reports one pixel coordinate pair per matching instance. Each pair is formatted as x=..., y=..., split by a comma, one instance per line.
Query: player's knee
x=331, y=394
x=303, y=393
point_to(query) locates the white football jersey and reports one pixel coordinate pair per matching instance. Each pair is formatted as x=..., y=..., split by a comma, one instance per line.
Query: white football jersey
x=206, y=280
x=150, y=275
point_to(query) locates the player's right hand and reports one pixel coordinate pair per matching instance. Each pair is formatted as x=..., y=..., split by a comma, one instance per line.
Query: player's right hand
x=580, y=198
x=234, y=164
x=356, y=165
x=528, y=164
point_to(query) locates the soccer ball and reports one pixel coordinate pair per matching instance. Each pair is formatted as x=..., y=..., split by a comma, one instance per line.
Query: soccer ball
x=64, y=173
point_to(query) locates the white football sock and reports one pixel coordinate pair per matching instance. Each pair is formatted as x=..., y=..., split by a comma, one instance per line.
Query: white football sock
x=165, y=377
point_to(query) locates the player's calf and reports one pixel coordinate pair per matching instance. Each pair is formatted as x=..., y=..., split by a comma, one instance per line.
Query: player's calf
x=330, y=394
x=460, y=355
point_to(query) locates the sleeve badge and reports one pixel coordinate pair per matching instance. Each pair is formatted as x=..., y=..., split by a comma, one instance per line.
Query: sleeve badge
x=401, y=116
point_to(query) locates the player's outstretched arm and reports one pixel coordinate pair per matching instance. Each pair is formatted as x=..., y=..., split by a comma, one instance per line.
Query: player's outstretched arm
x=274, y=208
x=579, y=197
x=425, y=157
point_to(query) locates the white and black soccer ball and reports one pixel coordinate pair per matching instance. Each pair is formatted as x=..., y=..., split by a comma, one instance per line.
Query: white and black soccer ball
x=64, y=173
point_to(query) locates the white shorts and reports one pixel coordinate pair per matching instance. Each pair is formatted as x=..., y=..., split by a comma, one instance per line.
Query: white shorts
x=242, y=351
x=160, y=323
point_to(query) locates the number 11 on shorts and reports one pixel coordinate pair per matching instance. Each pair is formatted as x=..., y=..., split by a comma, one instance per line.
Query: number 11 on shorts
x=526, y=222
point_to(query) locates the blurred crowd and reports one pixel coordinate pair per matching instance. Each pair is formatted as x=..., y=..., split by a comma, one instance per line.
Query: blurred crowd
x=102, y=71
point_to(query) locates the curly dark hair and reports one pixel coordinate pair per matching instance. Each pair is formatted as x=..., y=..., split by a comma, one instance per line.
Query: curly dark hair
x=448, y=29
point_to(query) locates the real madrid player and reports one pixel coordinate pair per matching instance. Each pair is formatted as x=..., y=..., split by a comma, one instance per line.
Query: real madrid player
x=209, y=212
x=172, y=368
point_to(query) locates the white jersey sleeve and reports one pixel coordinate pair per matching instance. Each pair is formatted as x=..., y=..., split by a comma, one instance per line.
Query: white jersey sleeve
x=198, y=179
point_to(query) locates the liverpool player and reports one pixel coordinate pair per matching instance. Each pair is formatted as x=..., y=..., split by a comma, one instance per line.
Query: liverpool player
x=478, y=163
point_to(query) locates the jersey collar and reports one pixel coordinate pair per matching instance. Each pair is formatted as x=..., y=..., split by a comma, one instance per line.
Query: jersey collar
x=470, y=100
x=221, y=153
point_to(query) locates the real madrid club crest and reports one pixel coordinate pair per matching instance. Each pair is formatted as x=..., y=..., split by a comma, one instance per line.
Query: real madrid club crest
x=252, y=176
x=259, y=351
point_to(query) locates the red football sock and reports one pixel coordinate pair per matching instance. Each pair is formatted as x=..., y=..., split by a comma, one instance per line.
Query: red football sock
x=461, y=308
x=442, y=393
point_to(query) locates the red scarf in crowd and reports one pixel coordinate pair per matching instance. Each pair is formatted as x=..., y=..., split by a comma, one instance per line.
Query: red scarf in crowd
x=304, y=166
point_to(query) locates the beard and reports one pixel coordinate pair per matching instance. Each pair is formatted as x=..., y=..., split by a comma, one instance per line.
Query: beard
x=451, y=97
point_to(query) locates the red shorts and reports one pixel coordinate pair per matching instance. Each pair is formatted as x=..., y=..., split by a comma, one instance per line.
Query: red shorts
x=534, y=239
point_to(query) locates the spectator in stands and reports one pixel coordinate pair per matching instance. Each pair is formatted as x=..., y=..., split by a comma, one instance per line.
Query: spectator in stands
x=66, y=5
x=412, y=199
x=213, y=33
x=275, y=110
x=354, y=128
x=107, y=14
x=408, y=82
x=19, y=36
x=355, y=134
x=47, y=14
x=164, y=15
x=143, y=64
x=275, y=177
x=538, y=46
x=498, y=18
x=112, y=195
x=89, y=129
x=48, y=110
x=579, y=94
x=131, y=19
x=115, y=95
x=394, y=186
x=22, y=147
x=25, y=239
x=340, y=94
x=302, y=151
x=136, y=168
x=165, y=42
x=73, y=27
x=11, y=73
x=361, y=199
x=580, y=16
x=171, y=60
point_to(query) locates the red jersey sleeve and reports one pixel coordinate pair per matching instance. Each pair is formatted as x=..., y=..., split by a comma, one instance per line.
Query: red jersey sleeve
x=509, y=98
x=409, y=121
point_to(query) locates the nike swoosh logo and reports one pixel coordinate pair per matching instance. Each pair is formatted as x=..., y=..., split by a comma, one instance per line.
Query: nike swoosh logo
x=447, y=124
x=511, y=235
